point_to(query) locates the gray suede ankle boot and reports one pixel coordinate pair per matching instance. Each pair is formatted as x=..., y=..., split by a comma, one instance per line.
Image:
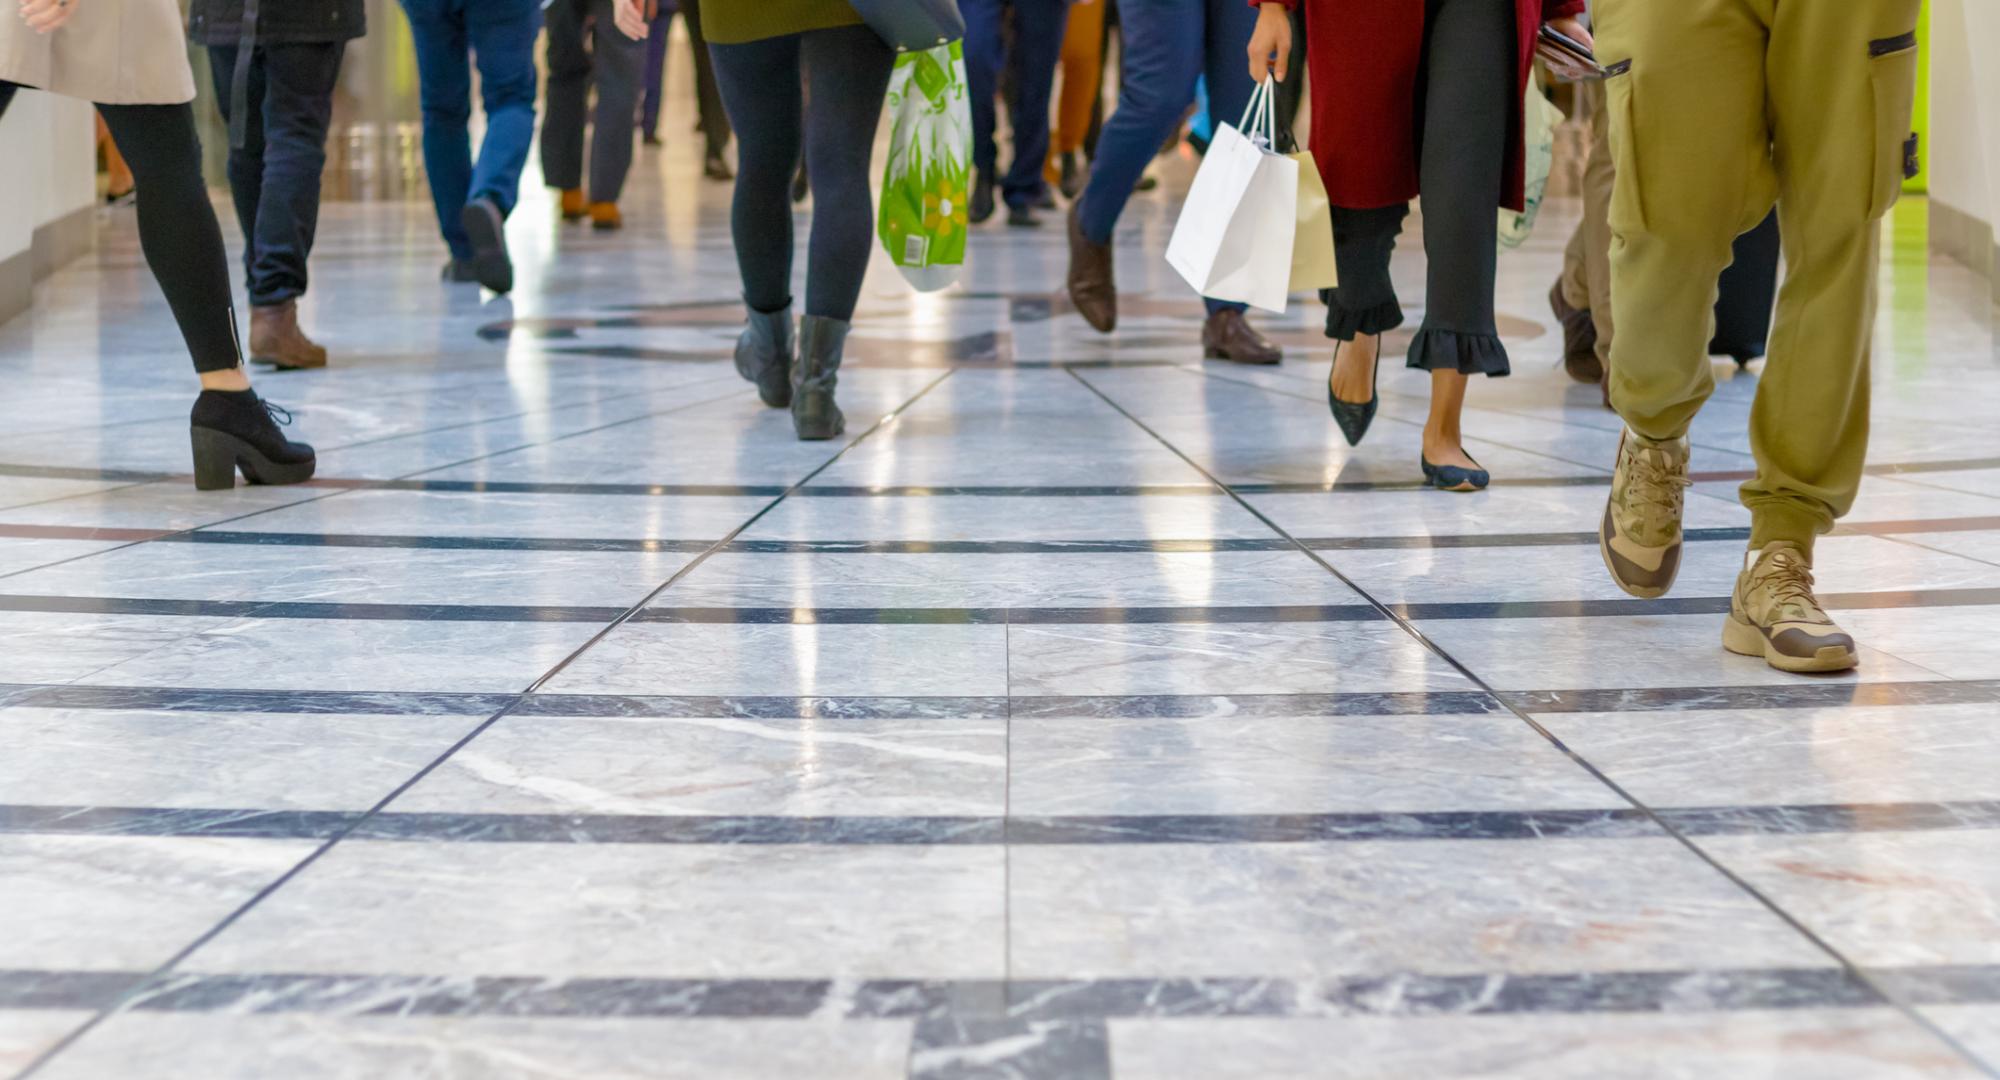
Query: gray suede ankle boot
x=814, y=415
x=764, y=355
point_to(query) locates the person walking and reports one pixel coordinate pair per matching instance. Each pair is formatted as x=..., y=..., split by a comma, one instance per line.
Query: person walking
x=1167, y=45
x=1030, y=54
x=714, y=120
x=1581, y=296
x=1808, y=106
x=1416, y=100
x=124, y=56
x=473, y=198
x=1082, y=67
x=764, y=52
x=614, y=62
x=274, y=71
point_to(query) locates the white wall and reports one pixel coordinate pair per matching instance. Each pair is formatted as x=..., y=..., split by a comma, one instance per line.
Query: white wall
x=48, y=147
x=1964, y=148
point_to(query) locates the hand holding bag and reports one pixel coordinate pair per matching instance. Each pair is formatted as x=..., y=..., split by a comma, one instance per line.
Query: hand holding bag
x=1235, y=237
x=912, y=25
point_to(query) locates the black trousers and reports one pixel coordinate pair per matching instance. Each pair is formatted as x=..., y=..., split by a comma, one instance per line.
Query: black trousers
x=1466, y=92
x=612, y=62
x=274, y=175
x=177, y=227
x=762, y=85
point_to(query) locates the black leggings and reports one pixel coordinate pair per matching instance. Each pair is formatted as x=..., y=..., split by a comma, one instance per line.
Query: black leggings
x=1466, y=93
x=177, y=227
x=761, y=85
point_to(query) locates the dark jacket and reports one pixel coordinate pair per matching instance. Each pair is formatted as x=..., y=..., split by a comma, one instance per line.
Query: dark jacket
x=279, y=22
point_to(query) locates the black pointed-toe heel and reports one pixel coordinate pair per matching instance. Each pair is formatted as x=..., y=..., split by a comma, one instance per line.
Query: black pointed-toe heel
x=232, y=430
x=1454, y=477
x=1354, y=419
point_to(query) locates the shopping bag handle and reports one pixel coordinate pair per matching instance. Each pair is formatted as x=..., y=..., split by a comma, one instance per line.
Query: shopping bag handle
x=1259, y=118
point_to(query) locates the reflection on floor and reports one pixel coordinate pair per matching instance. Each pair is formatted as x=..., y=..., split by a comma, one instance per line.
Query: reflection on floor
x=1090, y=711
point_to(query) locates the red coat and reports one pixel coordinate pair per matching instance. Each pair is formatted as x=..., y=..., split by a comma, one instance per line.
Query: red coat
x=1363, y=57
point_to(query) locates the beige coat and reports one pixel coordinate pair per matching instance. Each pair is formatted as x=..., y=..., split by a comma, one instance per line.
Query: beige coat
x=113, y=52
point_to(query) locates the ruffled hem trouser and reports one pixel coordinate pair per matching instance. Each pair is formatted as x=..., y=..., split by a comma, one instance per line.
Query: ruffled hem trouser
x=1465, y=88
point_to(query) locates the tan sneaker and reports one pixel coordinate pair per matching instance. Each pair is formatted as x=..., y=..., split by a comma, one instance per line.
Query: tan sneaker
x=1640, y=536
x=1773, y=614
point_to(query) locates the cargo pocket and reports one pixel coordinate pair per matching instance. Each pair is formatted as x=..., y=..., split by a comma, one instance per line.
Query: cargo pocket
x=1628, y=204
x=1892, y=66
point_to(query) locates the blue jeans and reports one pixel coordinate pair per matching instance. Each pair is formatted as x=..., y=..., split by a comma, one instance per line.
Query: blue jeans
x=501, y=34
x=1168, y=44
x=274, y=175
x=1038, y=40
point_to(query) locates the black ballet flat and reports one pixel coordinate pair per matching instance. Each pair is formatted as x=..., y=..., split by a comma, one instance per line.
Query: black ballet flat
x=233, y=430
x=1354, y=419
x=1453, y=477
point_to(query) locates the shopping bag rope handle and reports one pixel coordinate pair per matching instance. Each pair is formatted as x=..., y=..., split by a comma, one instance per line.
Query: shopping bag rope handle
x=1258, y=116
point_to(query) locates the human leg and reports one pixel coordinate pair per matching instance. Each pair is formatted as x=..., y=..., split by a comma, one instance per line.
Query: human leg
x=444, y=89
x=618, y=61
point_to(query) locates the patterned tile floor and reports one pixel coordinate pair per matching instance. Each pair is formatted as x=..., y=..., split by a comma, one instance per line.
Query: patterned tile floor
x=1090, y=711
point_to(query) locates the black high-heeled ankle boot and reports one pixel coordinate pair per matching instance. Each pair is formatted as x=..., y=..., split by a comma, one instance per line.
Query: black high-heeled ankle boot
x=814, y=374
x=236, y=429
x=1354, y=419
x=764, y=355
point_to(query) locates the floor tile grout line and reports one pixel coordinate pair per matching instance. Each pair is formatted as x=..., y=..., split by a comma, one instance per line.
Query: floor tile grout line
x=1861, y=973
x=270, y=888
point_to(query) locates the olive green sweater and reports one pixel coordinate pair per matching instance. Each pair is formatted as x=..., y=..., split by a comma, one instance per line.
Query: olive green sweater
x=732, y=22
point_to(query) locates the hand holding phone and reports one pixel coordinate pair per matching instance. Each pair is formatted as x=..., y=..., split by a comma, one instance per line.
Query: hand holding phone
x=1568, y=57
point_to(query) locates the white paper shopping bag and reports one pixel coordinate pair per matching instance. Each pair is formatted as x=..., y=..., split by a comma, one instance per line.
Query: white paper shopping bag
x=1235, y=234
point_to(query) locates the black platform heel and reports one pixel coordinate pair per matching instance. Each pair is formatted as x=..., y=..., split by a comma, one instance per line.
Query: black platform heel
x=1353, y=419
x=1455, y=477
x=236, y=429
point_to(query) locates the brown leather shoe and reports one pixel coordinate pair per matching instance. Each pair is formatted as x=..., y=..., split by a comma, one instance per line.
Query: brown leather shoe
x=275, y=338
x=1579, y=338
x=574, y=206
x=1229, y=336
x=604, y=215
x=1091, y=288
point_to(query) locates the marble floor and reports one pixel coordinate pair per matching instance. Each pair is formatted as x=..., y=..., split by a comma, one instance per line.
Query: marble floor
x=1088, y=711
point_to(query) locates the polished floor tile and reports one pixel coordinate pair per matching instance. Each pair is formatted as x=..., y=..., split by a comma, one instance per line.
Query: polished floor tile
x=1087, y=711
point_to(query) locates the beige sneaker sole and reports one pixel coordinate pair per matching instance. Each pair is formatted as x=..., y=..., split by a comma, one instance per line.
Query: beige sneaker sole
x=1744, y=639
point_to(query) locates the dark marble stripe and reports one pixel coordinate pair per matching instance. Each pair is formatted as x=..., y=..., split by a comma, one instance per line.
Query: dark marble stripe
x=79, y=532
x=1032, y=616
x=1196, y=706
x=305, y=702
x=293, y=609
x=933, y=547
x=1072, y=830
x=1801, y=694
x=764, y=708
x=1407, y=994
x=1833, y=818
x=1623, y=823
x=1216, y=615
x=71, y=472
x=445, y=543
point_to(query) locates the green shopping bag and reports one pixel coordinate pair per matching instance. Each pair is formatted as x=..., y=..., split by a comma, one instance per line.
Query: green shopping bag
x=926, y=182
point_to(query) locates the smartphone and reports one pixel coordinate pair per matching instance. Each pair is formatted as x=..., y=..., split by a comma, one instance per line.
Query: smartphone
x=1569, y=57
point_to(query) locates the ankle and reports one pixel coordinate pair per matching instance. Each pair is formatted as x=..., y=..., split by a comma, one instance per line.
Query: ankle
x=233, y=380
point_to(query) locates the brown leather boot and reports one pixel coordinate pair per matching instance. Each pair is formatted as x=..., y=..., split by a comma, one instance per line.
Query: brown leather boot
x=1229, y=336
x=275, y=338
x=1091, y=290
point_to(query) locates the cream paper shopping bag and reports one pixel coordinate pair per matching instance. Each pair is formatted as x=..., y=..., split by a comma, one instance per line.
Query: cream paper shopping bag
x=1312, y=250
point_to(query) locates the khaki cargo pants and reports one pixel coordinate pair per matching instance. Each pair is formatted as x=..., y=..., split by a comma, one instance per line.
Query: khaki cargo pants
x=1718, y=108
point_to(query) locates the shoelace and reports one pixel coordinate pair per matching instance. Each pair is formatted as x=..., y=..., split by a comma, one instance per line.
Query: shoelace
x=1653, y=481
x=1789, y=579
x=277, y=412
